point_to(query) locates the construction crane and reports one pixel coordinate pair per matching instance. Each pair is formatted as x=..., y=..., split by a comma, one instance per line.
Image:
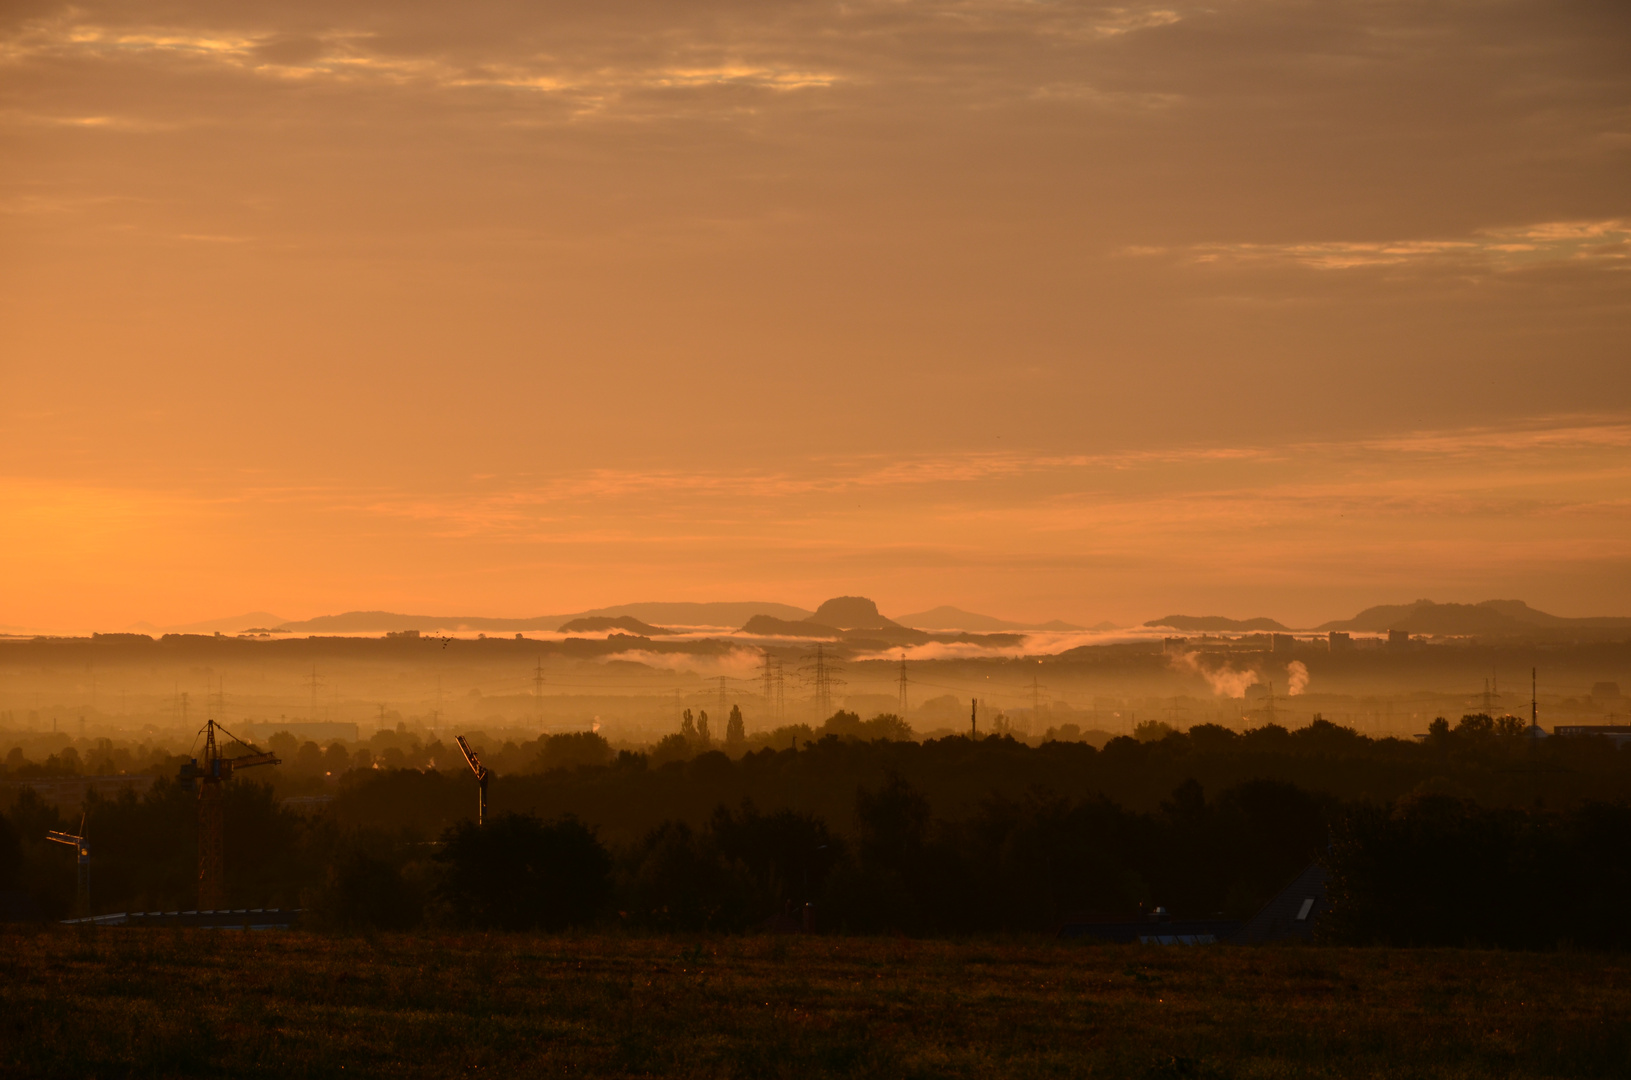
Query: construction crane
x=481, y=778
x=82, y=897
x=207, y=779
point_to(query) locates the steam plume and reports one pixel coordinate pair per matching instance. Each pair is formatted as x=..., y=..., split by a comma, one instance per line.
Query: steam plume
x=1224, y=681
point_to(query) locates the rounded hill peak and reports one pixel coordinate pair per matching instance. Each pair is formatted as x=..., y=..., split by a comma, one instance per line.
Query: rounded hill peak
x=851, y=613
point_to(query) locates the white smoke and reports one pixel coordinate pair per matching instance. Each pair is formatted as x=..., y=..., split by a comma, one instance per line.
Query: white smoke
x=1297, y=672
x=1224, y=681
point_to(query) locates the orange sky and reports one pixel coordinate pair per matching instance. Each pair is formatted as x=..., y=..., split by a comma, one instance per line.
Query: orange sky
x=1042, y=309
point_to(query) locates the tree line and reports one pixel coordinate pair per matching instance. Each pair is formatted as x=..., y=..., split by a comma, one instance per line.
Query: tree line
x=953, y=836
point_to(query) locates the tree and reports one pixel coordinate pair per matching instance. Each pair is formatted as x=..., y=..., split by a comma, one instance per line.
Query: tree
x=520, y=873
x=11, y=855
x=679, y=880
x=893, y=822
x=702, y=728
x=688, y=725
x=573, y=750
x=735, y=730
x=336, y=759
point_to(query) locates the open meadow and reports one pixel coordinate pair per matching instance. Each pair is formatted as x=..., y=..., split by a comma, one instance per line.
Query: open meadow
x=118, y=1002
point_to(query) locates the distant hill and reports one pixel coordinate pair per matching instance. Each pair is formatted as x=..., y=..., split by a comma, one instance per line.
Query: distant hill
x=232, y=625
x=596, y=623
x=851, y=613
x=947, y=617
x=1492, y=617
x=720, y=613
x=652, y=614
x=363, y=622
x=1215, y=623
x=770, y=626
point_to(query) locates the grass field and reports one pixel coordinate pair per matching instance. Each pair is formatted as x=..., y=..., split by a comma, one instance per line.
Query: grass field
x=115, y=1002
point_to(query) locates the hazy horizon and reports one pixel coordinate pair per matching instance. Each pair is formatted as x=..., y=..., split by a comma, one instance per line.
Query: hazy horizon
x=269, y=621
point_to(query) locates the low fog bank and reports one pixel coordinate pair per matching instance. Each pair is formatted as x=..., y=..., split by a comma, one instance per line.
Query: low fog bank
x=129, y=703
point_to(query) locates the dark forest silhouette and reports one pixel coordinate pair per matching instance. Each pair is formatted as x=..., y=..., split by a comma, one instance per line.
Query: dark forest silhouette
x=1477, y=834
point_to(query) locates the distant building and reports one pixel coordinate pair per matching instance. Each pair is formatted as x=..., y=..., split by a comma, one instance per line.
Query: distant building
x=1174, y=644
x=1293, y=912
x=408, y=633
x=1281, y=643
x=1340, y=640
x=1398, y=639
x=1619, y=734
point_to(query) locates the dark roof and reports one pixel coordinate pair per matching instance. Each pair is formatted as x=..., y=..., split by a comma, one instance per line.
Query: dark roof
x=239, y=919
x=1150, y=931
x=1291, y=915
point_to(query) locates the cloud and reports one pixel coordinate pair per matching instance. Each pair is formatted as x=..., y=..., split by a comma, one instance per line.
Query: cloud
x=1606, y=243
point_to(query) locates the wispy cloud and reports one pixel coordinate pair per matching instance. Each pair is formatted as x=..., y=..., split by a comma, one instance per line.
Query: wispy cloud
x=1605, y=243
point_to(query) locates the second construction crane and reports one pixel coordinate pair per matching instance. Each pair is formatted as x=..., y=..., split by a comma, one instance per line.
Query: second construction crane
x=207, y=779
x=481, y=778
x=82, y=846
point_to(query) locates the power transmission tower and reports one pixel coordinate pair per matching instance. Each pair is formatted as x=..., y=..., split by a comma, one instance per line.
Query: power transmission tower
x=822, y=680
x=1036, y=696
x=903, y=705
x=781, y=693
x=823, y=685
x=312, y=680
x=724, y=697
x=769, y=680
x=538, y=689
